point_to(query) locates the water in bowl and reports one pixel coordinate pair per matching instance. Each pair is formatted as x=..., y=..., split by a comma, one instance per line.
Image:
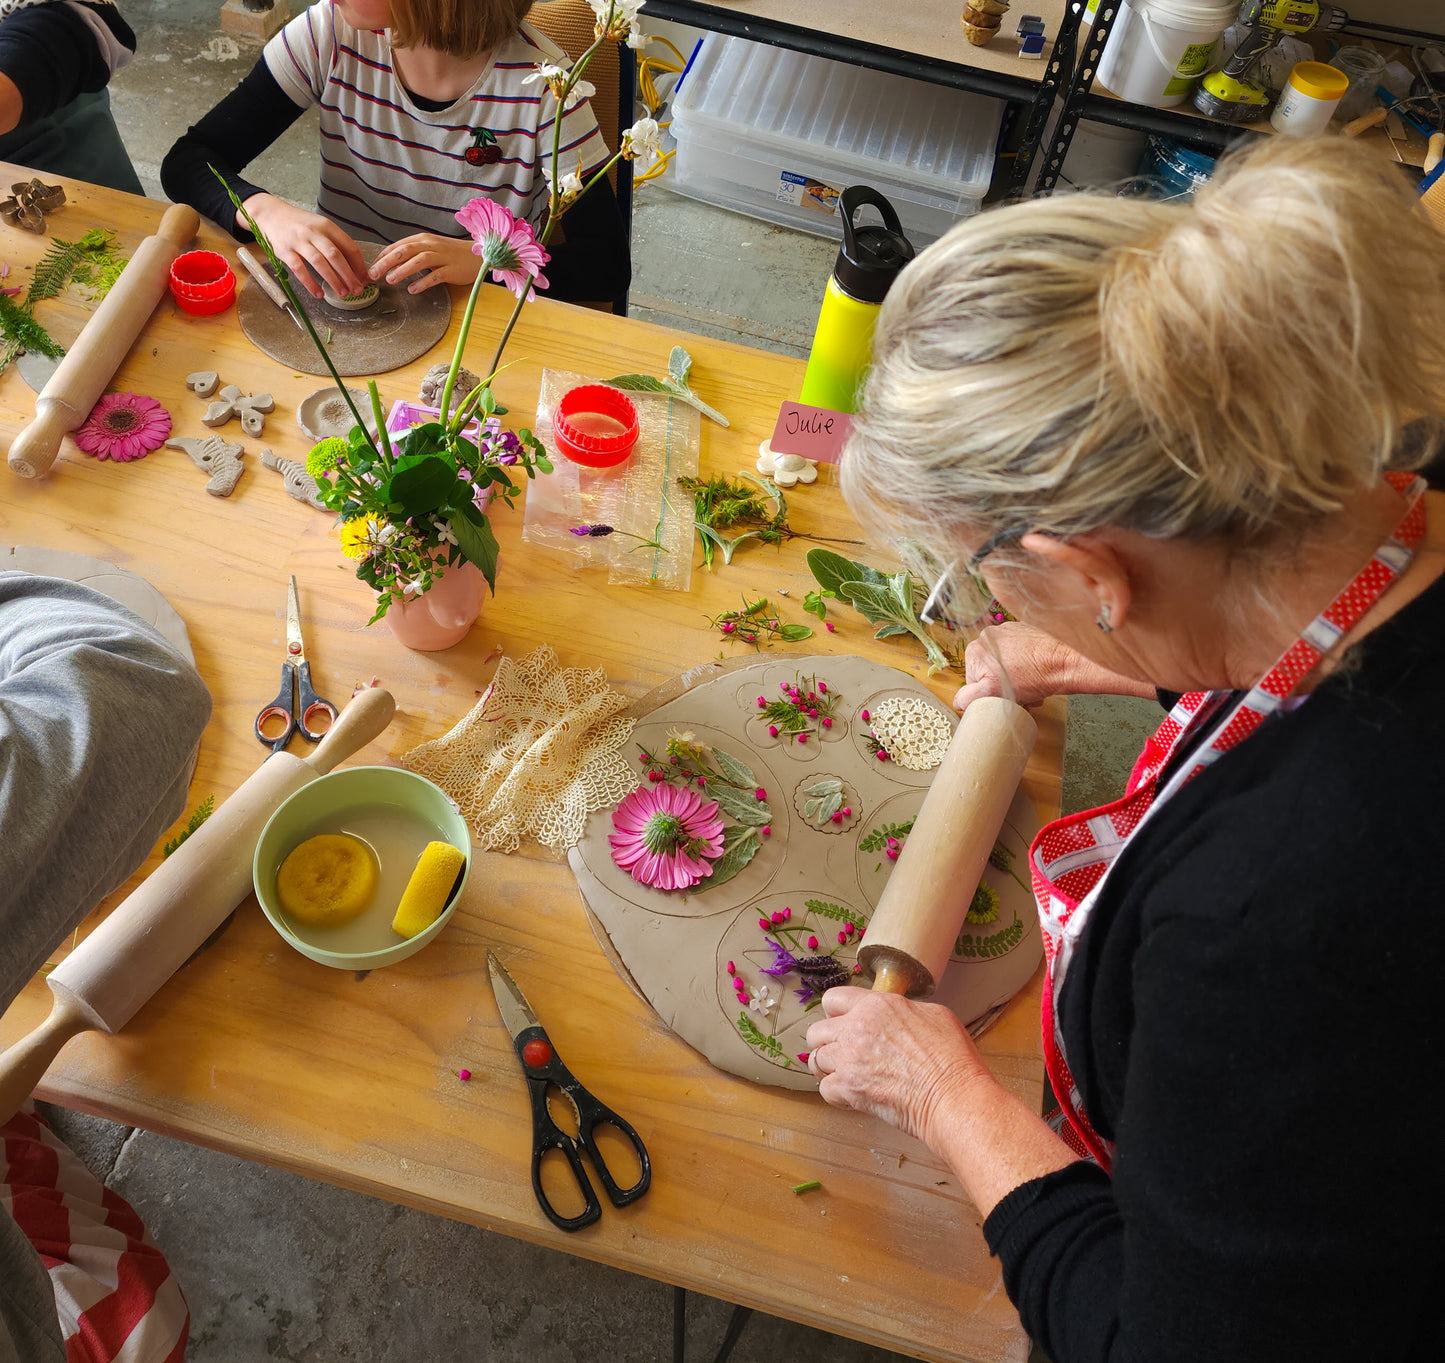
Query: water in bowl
x=397, y=837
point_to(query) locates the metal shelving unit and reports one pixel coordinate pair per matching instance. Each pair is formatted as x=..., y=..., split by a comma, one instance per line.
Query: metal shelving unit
x=1184, y=124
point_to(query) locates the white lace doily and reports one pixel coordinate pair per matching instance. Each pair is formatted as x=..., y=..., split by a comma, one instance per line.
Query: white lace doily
x=536, y=755
x=913, y=732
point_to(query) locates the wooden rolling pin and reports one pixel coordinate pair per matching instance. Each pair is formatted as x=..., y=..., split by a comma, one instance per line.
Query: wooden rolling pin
x=98, y=352
x=917, y=921
x=154, y=931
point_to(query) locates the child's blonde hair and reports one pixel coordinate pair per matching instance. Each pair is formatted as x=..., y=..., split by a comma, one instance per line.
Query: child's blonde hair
x=1231, y=368
x=460, y=28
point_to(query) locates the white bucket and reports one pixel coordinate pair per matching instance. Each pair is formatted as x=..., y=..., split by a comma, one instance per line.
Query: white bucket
x=1159, y=47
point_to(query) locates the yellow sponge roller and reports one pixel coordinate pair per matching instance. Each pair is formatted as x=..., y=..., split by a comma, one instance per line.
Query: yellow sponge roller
x=327, y=881
x=428, y=889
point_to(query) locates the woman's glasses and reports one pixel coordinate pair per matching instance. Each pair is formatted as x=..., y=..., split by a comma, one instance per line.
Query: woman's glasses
x=959, y=597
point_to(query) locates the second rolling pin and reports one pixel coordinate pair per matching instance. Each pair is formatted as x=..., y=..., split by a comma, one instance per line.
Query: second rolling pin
x=98, y=352
x=917, y=921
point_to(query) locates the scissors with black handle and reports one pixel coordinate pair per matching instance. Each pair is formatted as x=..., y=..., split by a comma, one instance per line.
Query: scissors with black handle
x=544, y=1070
x=298, y=705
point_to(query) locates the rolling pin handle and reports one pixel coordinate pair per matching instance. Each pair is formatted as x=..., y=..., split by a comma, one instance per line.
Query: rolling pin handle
x=179, y=225
x=365, y=718
x=33, y=451
x=894, y=973
x=23, y=1065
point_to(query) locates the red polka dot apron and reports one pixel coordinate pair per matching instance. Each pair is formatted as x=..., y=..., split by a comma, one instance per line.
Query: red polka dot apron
x=1071, y=857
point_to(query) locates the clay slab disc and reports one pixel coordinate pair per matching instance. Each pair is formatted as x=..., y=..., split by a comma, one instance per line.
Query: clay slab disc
x=372, y=341
x=134, y=593
x=675, y=948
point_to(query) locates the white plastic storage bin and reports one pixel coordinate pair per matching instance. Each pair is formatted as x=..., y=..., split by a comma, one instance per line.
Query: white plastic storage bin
x=779, y=135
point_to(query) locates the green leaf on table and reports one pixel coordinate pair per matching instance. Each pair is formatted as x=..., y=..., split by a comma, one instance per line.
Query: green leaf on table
x=767, y=1044
x=833, y=570
x=743, y=806
x=794, y=633
x=639, y=383
x=679, y=365
x=740, y=846
x=738, y=773
x=478, y=545
x=888, y=631
x=824, y=909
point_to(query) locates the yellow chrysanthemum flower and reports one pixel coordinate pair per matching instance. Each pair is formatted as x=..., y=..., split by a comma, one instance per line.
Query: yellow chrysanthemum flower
x=356, y=536
x=325, y=456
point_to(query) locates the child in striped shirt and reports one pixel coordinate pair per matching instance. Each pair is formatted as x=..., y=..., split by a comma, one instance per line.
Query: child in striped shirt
x=425, y=104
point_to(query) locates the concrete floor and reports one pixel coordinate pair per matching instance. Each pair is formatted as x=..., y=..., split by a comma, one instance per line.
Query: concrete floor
x=277, y=1266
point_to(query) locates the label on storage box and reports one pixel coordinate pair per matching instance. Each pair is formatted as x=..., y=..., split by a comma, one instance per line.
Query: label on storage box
x=802, y=192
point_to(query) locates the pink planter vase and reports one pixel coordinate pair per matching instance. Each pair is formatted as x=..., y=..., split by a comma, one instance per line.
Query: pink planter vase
x=442, y=615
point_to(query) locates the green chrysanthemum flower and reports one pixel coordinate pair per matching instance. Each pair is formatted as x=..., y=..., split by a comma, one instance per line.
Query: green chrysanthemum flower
x=984, y=908
x=325, y=456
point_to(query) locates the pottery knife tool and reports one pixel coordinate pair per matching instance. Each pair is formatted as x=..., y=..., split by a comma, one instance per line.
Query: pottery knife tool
x=922, y=908
x=156, y=929
x=99, y=350
x=268, y=284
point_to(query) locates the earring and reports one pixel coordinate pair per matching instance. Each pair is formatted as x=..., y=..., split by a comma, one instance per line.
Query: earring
x=1103, y=621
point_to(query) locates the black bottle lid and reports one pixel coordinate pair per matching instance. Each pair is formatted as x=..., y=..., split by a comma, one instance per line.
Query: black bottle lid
x=871, y=257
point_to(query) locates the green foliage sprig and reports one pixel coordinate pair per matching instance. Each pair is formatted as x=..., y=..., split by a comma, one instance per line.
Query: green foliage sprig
x=679, y=363
x=877, y=838
x=199, y=815
x=888, y=600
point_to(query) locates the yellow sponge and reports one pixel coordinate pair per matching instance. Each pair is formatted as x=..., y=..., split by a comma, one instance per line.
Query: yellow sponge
x=428, y=889
x=327, y=880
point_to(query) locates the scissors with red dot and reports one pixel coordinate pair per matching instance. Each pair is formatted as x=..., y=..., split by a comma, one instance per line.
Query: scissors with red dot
x=544, y=1070
x=298, y=707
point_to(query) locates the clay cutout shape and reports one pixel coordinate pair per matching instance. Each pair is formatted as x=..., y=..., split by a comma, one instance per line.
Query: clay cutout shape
x=215, y=456
x=251, y=409
x=355, y=302
x=435, y=380
x=675, y=947
x=297, y=482
x=203, y=383
x=786, y=470
x=30, y=201
x=324, y=413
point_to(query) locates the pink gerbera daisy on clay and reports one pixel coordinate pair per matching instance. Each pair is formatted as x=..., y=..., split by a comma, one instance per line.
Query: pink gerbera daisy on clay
x=663, y=835
x=124, y=426
x=507, y=245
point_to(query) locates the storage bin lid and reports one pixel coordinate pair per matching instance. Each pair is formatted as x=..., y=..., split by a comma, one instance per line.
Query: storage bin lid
x=938, y=138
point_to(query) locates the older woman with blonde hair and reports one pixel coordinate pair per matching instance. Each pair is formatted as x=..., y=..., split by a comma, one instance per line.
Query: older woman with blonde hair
x=1180, y=444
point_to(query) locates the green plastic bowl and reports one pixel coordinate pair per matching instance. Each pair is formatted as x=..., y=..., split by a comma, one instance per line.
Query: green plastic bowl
x=297, y=819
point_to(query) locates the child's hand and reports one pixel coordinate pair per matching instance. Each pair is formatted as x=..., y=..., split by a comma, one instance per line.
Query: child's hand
x=449, y=259
x=310, y=246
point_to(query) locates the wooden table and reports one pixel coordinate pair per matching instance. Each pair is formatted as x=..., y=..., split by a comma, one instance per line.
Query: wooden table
x=255, y=1050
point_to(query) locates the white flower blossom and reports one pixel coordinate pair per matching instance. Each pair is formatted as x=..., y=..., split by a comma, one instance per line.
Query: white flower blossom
x=445, y=533
x=413, y=588
x=762, y=1000
x=584, y=89
x=637, y=40
x=545, y=71
x=642, y=141
x=615, y=18
x=571, y=185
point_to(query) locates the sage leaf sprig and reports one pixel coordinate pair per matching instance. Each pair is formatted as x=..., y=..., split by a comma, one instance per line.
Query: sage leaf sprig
x=887, y=600
x=679, y=363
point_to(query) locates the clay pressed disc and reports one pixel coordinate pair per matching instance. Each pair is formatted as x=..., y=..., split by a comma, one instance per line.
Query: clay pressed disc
x=396, y=330
x=674, y=949
x=134, y=593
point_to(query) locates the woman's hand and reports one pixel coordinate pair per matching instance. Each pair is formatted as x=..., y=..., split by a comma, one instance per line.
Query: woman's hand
x=449, y=259
x=1038, y=666
x=311, y=246
x=899, y=1060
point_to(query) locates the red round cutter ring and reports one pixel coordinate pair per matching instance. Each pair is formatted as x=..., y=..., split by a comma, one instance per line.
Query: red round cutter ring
x=595, y=425
x=203, y=282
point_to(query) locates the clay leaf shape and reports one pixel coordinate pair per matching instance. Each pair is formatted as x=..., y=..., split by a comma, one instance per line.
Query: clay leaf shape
x=297, y=482
x=215, y=456
x=824, y=799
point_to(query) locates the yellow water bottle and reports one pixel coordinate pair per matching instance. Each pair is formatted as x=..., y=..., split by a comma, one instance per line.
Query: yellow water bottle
x=868, y=262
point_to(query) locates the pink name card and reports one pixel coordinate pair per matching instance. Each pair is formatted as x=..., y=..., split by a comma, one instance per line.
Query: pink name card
x=813, y=432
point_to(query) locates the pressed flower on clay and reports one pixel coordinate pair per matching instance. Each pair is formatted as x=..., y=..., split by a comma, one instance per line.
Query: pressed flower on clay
x=124, y=426
x=666, y=836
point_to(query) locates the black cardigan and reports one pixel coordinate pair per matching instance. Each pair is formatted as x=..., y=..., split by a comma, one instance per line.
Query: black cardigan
x=1253, y=1016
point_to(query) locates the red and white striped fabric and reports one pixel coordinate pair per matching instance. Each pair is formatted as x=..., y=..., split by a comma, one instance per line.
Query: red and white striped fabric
x=116, y=1297
x=1071, y=857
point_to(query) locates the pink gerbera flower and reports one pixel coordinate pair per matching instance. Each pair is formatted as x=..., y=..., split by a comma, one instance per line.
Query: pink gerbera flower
x=663, y=835
x=124, y=426
x=507, y=245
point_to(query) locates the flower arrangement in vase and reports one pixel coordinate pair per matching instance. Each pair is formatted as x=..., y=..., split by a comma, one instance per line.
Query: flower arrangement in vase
x=412, y=506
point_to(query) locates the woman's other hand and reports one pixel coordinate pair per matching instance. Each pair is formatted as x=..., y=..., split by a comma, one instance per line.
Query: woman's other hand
x=311, y=247
x=449, y=259
x=886, y=1055
x=1038, y=666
